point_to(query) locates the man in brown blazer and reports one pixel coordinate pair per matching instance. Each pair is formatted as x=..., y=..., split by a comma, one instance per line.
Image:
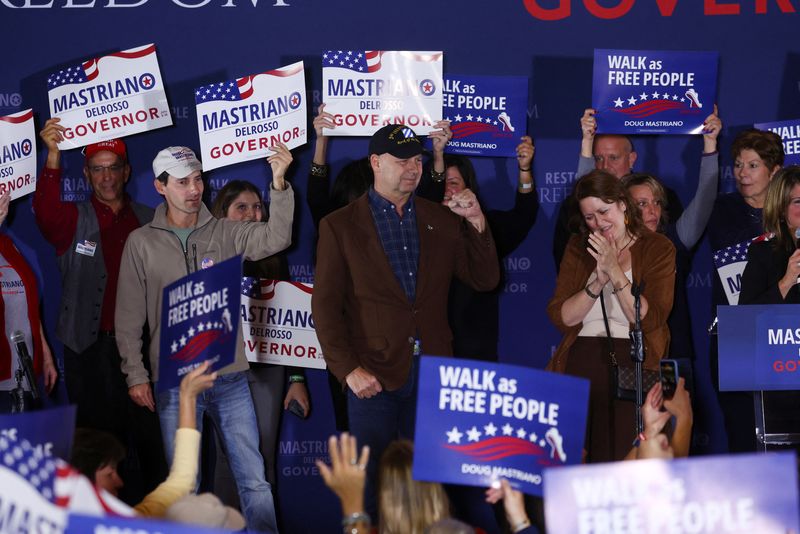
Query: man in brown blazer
x=384, y=266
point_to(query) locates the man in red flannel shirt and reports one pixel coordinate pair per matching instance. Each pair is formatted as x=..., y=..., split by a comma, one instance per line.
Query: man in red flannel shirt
x=88, y=238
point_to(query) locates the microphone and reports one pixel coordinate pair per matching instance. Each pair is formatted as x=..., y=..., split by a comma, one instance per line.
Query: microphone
x=26, y=363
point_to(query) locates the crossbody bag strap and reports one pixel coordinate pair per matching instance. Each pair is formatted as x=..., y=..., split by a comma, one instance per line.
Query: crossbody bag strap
x=611, y=351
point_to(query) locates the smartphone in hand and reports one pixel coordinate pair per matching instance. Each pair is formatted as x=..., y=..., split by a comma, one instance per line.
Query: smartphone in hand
x=669, y=377
x=297, y=409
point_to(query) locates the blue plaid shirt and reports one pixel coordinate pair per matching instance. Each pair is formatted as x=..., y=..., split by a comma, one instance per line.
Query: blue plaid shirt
x=399, y=238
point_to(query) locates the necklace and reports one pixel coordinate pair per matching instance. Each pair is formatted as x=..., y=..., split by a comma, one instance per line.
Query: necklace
x=630, y=240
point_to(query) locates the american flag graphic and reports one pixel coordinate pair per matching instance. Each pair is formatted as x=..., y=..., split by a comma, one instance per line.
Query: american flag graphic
x=491, y=443
x=82, y=73
x=89, y=70
x=355, y=60
x=18, y=118
x=466, y=125
x=646, y=104
x=238, y=89
x=36, y=466
x=738, y=252
x=258, y=288
x=54, y=479
x=196, y=339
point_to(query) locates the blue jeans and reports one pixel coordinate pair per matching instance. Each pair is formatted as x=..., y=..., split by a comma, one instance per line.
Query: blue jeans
x=378, y=421
x=230, y=407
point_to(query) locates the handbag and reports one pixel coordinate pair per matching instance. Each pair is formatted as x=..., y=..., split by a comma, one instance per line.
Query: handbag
x=623, y=379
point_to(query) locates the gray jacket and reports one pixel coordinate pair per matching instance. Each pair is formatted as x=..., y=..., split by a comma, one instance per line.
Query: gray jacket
x=154, y=258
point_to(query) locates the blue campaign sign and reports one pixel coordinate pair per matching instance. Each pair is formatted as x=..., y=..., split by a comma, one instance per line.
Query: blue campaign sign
x=52, y=429
x=790, y=135
x=200, y=321
x=488, y=114
x=736, y=494
x=478, y=422
x=759, y=347
x=650, y=91
x=81, y=524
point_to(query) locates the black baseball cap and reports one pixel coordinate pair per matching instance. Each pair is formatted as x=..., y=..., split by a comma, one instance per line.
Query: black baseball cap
x=396, y=139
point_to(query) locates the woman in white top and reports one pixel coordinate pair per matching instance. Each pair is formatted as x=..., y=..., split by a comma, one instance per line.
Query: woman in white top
x=613, y=251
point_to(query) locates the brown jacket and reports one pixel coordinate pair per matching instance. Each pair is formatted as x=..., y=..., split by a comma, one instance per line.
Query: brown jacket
x=652, y=261
x=361, y=313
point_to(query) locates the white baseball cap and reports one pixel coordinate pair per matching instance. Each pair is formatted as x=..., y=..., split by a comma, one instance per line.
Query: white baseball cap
x=177, y=161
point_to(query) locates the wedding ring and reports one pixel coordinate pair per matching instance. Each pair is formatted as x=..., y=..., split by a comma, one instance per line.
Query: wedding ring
x=354, y=461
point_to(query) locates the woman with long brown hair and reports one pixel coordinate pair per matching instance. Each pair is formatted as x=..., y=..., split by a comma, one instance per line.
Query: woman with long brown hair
x=593, y=305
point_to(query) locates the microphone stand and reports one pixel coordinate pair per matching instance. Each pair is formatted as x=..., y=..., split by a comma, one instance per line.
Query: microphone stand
x=18, y=394
x=637, y=352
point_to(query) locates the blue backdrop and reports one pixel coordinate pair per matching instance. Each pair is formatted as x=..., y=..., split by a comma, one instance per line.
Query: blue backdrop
x=550, y=41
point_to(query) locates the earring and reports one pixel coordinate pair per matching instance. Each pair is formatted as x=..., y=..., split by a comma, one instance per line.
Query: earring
x=626, y=219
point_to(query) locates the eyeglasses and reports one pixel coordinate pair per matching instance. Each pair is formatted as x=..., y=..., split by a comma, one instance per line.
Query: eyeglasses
x=100, y=169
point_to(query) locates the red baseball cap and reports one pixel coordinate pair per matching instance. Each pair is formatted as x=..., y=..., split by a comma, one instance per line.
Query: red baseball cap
x=117, y=146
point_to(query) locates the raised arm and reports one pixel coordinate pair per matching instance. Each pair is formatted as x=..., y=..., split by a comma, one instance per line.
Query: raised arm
x=693, y=220
x=56, y=219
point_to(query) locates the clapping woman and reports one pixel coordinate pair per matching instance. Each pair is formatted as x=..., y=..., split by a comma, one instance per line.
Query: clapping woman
x=593, y=305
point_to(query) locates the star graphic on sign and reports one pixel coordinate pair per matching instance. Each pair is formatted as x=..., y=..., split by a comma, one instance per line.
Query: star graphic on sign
x=174, y=347
x=683, y=99
x=490, y=429
x=208, y=325
x=494, y=122
x=521, y=433
x=183, y=341
x=324, y=56
x=458, y=118
x=643, y=96
x=533, y=437
x=147, y=80
x=632, y=101
x=479, y=118
x=507, y=429
x=201, y=327
x=427, y=87
x=618, y=102
x=542, y=443
x=656, y=95
x=454, y=436
x=295, y=100
x=360, y=54
x=360, y=68
x=473, y=434
x=469, y=117
x=675, y=97
x=197, y=93
x=191, y=332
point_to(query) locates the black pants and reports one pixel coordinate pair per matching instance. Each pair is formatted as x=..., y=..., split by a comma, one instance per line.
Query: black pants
x=96, y=384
